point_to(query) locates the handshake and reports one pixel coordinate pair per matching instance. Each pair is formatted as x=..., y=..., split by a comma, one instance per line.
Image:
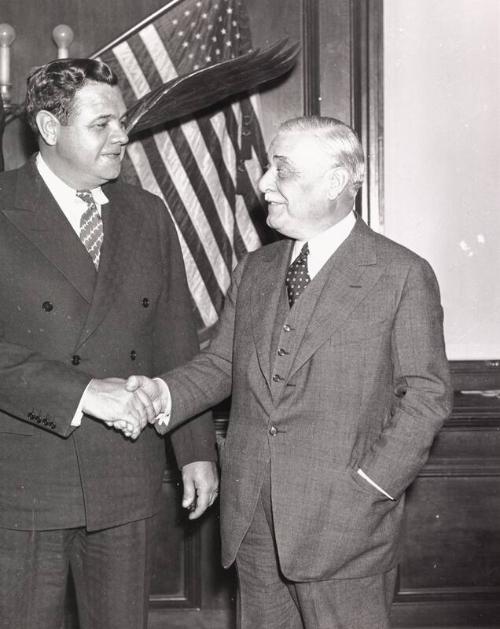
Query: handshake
x=128, y=405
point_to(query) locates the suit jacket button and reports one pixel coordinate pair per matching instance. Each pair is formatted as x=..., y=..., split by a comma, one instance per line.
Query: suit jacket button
x=145, y=302
x=273, y=431
x=277, y=377
x=133, y=355
x=282, y=352
x=47, y=306
x=287, y=327
x=75, y=359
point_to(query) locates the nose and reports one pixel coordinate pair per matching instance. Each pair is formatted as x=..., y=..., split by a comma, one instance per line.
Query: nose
x=120, y=135
x=265, y=182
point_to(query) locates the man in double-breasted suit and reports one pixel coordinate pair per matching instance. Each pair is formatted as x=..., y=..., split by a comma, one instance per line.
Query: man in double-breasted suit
x=92, y=288
x=331, y=345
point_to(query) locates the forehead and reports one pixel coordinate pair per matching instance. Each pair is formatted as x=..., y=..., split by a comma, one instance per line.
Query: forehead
x=298, y=147
x=98, y=99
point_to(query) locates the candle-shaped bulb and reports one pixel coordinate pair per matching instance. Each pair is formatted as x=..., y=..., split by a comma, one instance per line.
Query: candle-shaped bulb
x=63, y=38
x=7, y=35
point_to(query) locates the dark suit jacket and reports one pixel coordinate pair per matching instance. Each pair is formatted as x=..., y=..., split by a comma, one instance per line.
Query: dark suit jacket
x=61, y=324
x=354, y=375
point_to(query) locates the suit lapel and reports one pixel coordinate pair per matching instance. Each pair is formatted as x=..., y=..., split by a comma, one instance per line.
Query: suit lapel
x=122, y=229
x=268, y=281
x=350, y=273
x=36, y=214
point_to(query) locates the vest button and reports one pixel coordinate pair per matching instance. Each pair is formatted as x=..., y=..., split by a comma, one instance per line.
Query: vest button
x=47, y=306
x=133, y=355
x=277, y=377
x=75, y=359
x=287, y=327
x=145, y=302
x=282, y=352
x=273, y=431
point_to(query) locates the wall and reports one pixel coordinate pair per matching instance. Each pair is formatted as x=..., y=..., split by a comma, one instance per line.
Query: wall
x=442, y=156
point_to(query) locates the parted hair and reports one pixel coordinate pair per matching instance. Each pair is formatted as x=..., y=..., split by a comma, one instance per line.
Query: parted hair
x=52, y=87
x=340, y=141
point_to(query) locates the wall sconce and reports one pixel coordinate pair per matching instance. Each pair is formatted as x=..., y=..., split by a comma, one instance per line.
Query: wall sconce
x=63, y=38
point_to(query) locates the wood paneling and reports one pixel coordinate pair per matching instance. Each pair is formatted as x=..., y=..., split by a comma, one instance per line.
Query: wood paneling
x=450, y=567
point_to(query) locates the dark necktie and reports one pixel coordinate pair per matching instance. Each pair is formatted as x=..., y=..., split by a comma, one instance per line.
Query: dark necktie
x=91, y=233
x=297, y=277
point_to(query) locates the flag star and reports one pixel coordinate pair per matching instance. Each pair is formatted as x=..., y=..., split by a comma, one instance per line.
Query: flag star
x=193, y=24
x=198, y=4
x=175, y=22
x=203, y=46
x=196, y=67
x=185, y=44
x=187, y=12
x=217, y=51
x=208, y=59
x=214, y=38
x=223, y=31
x=190, y=56
x=210, y=27
x=234, y=23
x=197, y=36
x=228, y=43
x=229, y=10
x=219, y=18
x=237, y=36
x=180, y=34
x=204, y=16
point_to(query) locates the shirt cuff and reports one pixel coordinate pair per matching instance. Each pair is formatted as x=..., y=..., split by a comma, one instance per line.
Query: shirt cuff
x=369, y=480
x=77, y=417
x=163, y=418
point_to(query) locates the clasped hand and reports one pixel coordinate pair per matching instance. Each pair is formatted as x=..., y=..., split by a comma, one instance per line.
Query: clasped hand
x=126, y=405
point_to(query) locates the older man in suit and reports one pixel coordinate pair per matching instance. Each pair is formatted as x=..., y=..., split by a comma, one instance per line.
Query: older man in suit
x=331, y=344
x=92, y=285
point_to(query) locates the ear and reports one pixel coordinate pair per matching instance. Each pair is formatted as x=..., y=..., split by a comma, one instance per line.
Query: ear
x=48, y=126
x=337, y=181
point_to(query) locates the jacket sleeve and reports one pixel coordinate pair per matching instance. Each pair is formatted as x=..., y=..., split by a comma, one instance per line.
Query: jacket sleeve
x=43, y=392
x=422, y=387
x=207, y=379
x=176, y=342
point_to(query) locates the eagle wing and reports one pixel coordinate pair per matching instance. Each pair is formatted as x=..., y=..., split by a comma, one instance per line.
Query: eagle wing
x=202, y=88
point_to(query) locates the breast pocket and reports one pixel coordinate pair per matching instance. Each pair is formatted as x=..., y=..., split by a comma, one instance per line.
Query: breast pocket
x=360, y=330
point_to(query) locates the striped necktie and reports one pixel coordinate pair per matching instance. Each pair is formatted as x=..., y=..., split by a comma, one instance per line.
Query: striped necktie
x=297, y=277
x=91, y=233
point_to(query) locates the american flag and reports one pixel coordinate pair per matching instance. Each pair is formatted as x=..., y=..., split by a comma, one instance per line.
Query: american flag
x=205, y=169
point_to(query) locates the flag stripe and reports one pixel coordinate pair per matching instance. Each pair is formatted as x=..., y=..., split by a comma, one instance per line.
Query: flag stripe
x=205, y=169
x=197, y=286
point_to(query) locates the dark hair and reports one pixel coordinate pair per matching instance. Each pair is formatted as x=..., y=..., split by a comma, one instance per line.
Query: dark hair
x=52, y=87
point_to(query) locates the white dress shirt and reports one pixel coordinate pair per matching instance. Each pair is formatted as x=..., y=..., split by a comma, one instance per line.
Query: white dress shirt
x=325, y=244
x=72, y=207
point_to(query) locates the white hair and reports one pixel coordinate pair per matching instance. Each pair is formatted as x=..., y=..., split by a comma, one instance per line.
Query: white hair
x=339, y=140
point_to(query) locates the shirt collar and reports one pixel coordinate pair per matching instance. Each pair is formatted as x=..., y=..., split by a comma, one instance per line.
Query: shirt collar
x=62, y=193
x=324, y=245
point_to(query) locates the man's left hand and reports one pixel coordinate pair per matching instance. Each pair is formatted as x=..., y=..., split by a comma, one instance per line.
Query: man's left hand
x=201, y=483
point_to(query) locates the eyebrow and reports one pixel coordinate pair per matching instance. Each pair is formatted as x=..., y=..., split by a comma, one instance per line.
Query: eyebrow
x=283, y=158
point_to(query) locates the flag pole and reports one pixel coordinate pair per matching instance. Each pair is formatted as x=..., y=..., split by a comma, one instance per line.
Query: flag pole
x=136, y=28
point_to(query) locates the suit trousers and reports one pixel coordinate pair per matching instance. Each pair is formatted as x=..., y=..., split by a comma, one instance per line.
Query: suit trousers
x=267, y=599
x=110, y=568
